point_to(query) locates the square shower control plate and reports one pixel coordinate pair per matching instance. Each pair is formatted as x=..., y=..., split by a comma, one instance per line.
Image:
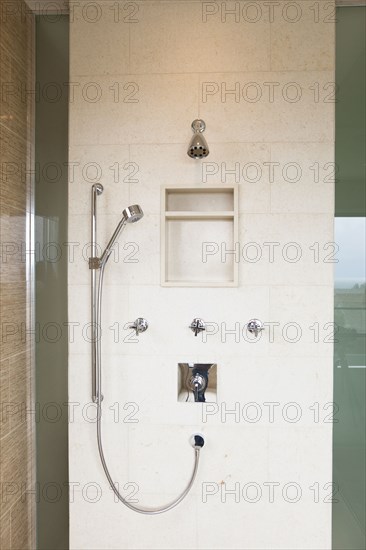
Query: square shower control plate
x=197, y=382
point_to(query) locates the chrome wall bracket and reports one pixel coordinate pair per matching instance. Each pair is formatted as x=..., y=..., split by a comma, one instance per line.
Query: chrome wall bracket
x=94, y=263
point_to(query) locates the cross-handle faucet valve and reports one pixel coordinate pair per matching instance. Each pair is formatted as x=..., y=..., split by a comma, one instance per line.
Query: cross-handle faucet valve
x=197, y=325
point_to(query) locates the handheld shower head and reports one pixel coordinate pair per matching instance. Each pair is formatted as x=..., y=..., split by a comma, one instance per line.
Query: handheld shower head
x=198, y=147
x=132, y=213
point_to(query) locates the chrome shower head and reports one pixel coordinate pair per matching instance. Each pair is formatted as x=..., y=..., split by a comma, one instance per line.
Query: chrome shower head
x=198, y=147
x=133, y=213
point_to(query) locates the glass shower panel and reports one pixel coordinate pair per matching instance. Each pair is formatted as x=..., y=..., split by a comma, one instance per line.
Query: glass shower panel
x=51, y=210
x=350, y=384
x=349, y=430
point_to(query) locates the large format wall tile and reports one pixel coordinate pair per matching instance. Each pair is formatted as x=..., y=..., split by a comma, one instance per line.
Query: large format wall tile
x=186, y=37
x=287, y=249
x=101, y=44
x=268, y=106
x=112, y=110
x=306, y=32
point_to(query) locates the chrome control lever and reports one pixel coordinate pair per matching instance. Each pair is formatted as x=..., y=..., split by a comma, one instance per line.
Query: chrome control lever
x=255, y=326
x=140, y=325
x=197, y=384
x=197, y=325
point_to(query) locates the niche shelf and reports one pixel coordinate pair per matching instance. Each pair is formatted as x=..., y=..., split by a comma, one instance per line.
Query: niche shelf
x=199, y=228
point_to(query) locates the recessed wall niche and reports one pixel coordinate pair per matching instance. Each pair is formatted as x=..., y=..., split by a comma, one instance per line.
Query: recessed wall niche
x=199, y=229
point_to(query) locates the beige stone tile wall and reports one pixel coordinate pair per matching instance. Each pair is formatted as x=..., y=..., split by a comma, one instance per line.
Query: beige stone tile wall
x=261, y=75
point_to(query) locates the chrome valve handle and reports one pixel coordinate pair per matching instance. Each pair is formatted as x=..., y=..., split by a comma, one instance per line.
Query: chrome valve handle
x=197, y=325
x=255, y=326
x=140, y=325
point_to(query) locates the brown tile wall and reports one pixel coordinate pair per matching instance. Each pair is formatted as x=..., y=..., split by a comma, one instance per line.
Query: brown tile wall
x=17, y=463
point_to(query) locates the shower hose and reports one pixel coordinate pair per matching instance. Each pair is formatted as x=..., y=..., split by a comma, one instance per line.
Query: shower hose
x=197, y=448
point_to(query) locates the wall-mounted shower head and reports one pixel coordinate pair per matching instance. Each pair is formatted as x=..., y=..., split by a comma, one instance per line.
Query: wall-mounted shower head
x=132, y=213
x=198, y=147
